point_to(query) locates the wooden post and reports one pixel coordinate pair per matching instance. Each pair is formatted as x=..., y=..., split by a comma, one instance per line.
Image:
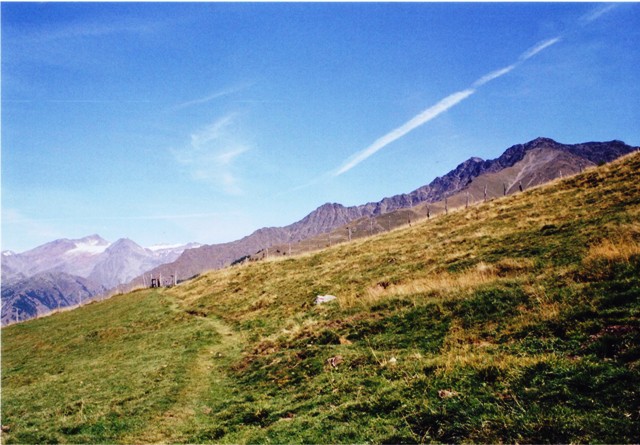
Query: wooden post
x=466, y=206
x=349, y=229
x=504, y=189
x=446, y=207
x=485, y=193
x=428, y=212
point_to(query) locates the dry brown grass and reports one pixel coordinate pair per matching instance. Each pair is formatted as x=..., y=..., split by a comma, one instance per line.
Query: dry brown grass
x=442, y=284
x=620, y=248
x=462, y=349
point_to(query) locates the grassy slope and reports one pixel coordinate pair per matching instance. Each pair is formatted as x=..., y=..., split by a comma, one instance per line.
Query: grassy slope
x=515, y=320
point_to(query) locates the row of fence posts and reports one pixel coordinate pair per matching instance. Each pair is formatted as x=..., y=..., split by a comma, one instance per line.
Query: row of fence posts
x=350, y=230
x=157, y=281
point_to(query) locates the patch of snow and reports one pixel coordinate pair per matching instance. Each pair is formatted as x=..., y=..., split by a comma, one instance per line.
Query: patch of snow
x=158, y=247
x=8, y=252
x=91, y=247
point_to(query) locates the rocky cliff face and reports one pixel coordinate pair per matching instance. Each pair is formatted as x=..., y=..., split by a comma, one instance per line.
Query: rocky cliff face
x=331, y=216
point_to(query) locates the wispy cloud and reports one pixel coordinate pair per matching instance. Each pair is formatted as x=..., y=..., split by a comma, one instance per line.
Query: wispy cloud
x=225, y=158
x=36, y=223
x=597, y=12
x=211, y=154
x=218, y=94
x=83, y=30
x=16, y=224
x=435, y=110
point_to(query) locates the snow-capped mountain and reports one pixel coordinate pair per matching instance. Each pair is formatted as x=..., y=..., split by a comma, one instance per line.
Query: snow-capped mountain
x=124, y=260
x=106, y=264
x=94, y=264
x=74, y=257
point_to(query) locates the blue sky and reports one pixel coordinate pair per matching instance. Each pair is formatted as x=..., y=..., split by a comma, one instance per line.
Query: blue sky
x=178, y=122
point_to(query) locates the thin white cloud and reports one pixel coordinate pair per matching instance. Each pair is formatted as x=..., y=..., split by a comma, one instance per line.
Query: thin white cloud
x=213, y=96
x=81, y=30
x=211, y=155
x=538, y=47
x=226, y=157
x=422, y=118
x=493, y=75
x=218, y=130
x=597, y=12
x=439, y=108
x=33, y=221
x=16, y=225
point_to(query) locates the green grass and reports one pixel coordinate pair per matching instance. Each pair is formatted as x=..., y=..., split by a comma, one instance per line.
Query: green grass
x=512, y=321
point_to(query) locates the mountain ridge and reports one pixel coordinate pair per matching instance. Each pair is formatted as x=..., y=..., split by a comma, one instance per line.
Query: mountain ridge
x=330, y=216
x=90, y=265
x=511, y=321
x=44, y=292
x=125, y=265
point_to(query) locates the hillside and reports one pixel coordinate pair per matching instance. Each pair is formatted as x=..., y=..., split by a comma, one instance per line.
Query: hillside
x=514, y=320
x=521, y=165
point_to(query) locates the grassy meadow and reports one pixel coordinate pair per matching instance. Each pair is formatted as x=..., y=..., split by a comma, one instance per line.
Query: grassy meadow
x=515, y=320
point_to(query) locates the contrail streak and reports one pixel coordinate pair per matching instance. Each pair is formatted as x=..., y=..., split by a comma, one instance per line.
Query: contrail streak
x=420, y=119
x=493, y=75
x=539, y=47
x=439, y=108
x=598, y=12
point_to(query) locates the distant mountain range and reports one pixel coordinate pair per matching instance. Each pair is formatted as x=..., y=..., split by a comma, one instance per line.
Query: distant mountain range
x=65, y=272
x=43, y=293
x=523, y=165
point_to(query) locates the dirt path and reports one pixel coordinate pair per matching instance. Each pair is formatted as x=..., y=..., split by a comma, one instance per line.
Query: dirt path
x=205, y=386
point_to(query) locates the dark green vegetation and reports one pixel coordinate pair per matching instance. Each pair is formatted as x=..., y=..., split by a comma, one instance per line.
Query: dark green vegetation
x=512, y=321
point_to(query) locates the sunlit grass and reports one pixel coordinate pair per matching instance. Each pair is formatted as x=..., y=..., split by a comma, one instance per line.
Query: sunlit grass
x=515, y=320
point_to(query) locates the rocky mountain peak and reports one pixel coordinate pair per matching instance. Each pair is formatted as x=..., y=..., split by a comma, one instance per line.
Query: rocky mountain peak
x=124, y=245
x=540, y=142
